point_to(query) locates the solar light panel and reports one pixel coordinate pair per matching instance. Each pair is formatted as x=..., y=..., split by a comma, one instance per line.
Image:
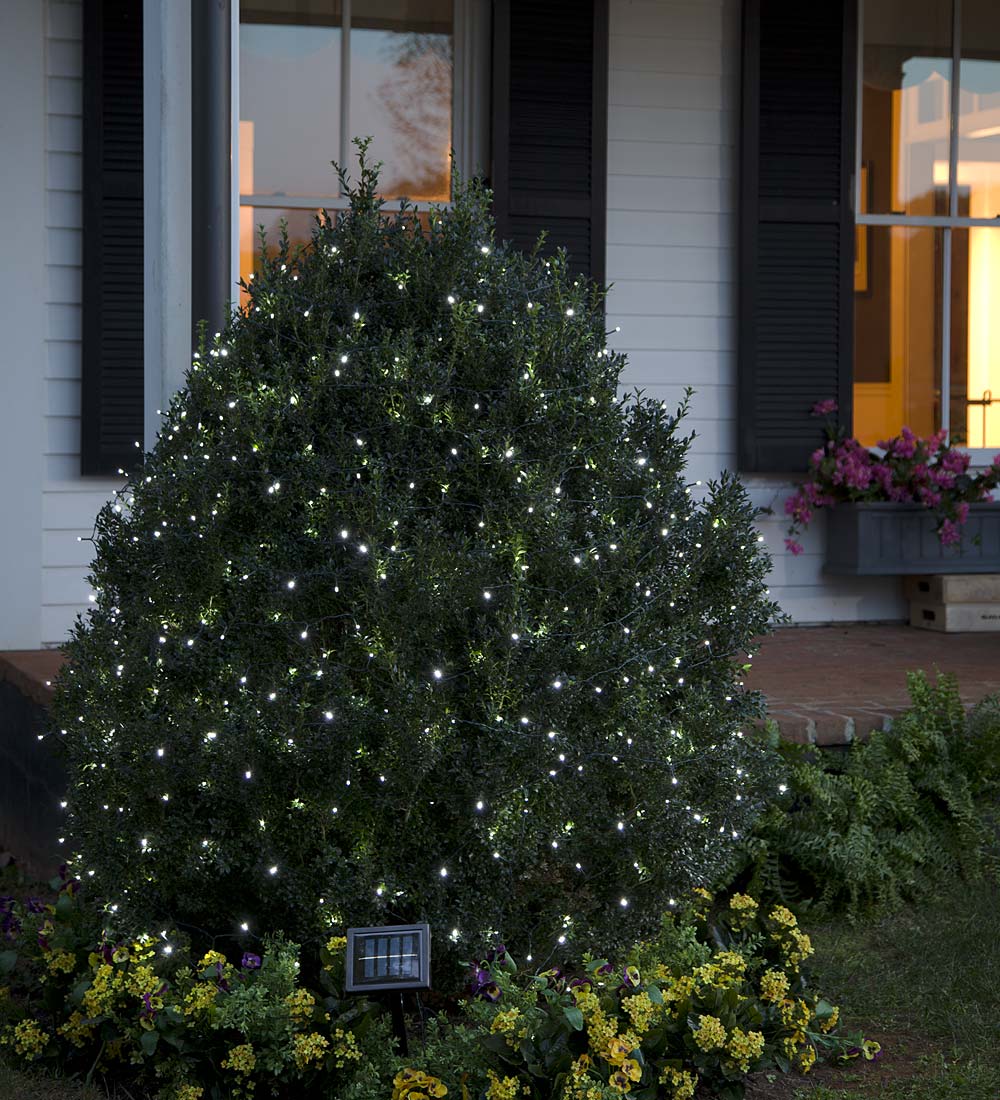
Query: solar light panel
x=388, y=957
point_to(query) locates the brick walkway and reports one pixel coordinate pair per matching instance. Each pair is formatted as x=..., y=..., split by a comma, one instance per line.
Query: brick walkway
x=825, y=684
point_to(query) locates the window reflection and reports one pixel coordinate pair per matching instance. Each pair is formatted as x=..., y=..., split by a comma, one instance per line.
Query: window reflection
x=979, y=109
x=401, y=92
x=976, y=368
x=897, y=376
x=289, y=96
x=901, y=324
x=906, y=102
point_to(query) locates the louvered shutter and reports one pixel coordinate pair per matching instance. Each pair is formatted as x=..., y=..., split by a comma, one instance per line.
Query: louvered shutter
x=550, y=81
x=112, y=379
x=797, y=227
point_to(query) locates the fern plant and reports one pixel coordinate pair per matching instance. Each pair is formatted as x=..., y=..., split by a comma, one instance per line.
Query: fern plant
x=881, y=822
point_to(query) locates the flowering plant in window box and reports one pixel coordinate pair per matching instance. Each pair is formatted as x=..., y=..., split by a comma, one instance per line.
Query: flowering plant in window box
x=925, y=473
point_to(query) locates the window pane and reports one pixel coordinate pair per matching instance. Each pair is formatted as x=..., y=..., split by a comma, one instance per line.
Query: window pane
x=898, y=331
x=979, y=111
x=401, y=92
x=975, y=362
x=905, y=107
x=289, y=96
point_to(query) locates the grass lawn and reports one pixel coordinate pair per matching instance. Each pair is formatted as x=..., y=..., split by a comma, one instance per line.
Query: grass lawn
x=924, y=983
x=18, y=1086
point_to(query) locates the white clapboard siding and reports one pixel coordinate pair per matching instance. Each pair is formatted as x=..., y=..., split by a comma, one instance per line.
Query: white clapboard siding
x=673, y=118
x=670, y=159
x=69, y=502
x=66, y=548
x=636, y=297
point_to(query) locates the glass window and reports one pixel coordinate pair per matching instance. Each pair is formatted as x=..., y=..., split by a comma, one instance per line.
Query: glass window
x=897, y=321
x=905, y=102
x=927, y=246
x=979, y=110
x=314, y=74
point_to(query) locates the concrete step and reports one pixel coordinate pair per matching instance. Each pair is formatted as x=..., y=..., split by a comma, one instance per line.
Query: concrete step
x=955, y=588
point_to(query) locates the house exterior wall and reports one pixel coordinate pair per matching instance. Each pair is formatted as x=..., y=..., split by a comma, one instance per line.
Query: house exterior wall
x=673, y=143
x=69, y=502
x=671, y=256
x=22, y=321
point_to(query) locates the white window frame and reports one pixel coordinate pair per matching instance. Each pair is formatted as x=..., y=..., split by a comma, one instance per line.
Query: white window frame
x=980, y=456
x=470, y=113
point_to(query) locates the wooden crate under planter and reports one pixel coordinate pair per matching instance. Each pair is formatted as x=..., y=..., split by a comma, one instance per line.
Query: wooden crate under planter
x=885, y=539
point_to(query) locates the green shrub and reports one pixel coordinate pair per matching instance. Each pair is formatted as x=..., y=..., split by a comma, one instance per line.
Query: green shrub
x=884, y=820
x=720, y=993
x=409, y=615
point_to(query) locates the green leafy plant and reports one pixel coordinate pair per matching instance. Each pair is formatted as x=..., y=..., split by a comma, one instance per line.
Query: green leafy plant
x=411, y=615
x=885, y=819
x=144, y=1011
x=721, y=991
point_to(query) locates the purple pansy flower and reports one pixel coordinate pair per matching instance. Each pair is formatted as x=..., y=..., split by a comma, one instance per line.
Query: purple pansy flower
x=250, y=961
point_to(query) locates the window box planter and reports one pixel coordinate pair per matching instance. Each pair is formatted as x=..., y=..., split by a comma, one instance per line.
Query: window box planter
x=885, y=539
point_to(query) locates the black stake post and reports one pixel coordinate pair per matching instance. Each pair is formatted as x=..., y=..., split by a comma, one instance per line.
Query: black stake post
x=399, y=1022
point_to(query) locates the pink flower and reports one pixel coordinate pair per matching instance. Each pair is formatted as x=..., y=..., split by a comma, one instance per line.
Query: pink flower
x=949, y=533
x=962, y=511
x=955, y=462
x=794, y=547
x=825, y=407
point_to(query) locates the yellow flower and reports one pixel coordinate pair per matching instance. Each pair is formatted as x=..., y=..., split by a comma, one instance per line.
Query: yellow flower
x=28, y=1039
x=61, y=962
x=709, y=1034
x=300, y=1005
x=309, y=1048
x=97, y=999
x=793, y=1042
x=617, y=1051
x=784, y=917
x=831, y=1021
x=511, y=1024
x=75, y=1030
x=631, y=1068
x=336, y=943
x=807, y=1058
x=743, y=908
x=795, y=1014
x=801, y=950
x=745, y=1047
x=200, y=998
x=212, y=958
x=241, y=1060
x=702, y=899
x=189, y=1092
x=620, y=1082
x=345, y=1048
x=773, y=986
x=501, y=1088
x=678, y=993
x=681, y=1081
x=414, y=1084
x=601, y=1029
x=641, y=1011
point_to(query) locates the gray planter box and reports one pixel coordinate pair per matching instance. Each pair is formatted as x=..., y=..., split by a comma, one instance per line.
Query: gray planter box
x=887, y=539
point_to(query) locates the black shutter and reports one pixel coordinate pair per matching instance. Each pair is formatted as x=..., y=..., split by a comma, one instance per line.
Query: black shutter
x=112, y=380
x=550, y=96
x=796, y=226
